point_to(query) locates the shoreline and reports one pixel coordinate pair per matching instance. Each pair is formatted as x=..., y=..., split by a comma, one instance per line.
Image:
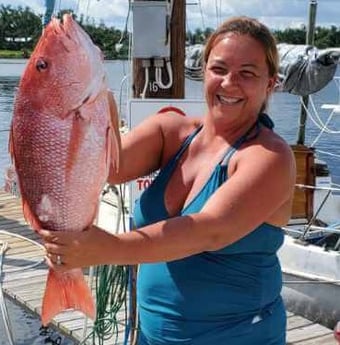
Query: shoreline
x=22, y=55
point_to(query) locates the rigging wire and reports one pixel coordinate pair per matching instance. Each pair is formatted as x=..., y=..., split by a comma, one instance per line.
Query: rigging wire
x=218, y=12
x=317, y=121
x=201, y=12
x=87, y=8
x=78, y=6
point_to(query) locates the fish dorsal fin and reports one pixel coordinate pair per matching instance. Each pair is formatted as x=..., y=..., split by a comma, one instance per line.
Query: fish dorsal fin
x=10, y=143
x=115, y=141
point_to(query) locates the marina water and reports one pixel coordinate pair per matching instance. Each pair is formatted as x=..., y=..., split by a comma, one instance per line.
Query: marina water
x=284, y=109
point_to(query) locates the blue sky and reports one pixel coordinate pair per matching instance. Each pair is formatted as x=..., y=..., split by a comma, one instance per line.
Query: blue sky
x=277, y=14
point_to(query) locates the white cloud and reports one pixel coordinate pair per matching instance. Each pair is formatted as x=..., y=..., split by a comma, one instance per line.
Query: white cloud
x=274, y=13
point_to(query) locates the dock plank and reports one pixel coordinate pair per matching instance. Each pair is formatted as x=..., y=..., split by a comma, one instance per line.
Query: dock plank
x=309, y=332
x=295, y=321
x=324, y=340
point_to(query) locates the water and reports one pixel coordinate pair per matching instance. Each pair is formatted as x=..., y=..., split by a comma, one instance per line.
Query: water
x=284, y=109
x=26, y=329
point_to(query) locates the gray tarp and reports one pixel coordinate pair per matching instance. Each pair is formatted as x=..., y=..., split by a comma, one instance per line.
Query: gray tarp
x=305, y=69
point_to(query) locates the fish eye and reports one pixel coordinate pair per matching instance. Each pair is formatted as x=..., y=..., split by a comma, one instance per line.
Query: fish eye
x=41, y=65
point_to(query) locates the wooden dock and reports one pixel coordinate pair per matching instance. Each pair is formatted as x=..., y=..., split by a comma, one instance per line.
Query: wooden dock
x=24, y=276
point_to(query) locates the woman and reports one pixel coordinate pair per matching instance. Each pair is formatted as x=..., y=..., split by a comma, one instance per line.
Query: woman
x=209, y=225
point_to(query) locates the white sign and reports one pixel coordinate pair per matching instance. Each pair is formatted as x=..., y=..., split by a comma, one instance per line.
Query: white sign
x=138, y=110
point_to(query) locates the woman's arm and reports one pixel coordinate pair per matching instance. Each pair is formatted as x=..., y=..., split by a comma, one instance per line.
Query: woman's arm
x=145, y=147
x=141, y=151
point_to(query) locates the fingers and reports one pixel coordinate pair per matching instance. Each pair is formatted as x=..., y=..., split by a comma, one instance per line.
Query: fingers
x=56, y=259
x=55, y=249
x=55, y=262
x=52, y=236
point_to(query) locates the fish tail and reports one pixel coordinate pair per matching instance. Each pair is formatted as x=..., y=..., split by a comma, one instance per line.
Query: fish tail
x=64, y=291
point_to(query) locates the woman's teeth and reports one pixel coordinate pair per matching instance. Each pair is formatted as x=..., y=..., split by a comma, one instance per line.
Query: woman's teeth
x=229, y=100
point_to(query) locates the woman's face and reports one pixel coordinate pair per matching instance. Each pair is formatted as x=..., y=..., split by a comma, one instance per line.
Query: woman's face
x=237, y=81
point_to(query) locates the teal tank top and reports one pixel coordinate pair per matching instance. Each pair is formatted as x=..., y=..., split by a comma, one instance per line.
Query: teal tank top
x=207, y=297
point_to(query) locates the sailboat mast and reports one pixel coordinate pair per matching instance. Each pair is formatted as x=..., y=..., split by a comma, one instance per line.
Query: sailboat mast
x=177, y=38
x=304, y=99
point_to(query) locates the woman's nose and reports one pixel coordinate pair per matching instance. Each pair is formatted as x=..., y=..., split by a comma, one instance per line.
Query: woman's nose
x=230, y=79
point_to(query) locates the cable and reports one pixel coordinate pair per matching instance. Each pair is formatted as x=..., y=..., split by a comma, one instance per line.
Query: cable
x=4, y=312
x=33, y=265
x=158, y=73
x=146, y=64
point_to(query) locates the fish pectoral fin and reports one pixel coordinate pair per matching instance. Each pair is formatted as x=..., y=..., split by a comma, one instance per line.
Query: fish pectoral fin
x=64, y=291
x=114, y=133
x=78, y=133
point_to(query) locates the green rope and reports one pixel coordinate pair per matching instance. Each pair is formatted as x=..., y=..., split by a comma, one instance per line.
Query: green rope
x=111, y=292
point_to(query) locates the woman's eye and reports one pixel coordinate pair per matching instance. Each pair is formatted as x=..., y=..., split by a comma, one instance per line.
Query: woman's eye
x=248, y=74
x=218, y=70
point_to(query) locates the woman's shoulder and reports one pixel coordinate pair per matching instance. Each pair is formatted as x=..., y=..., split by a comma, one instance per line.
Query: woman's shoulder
x=176, y=125
x=267, y=148
x=175, y=129
x=270, y=140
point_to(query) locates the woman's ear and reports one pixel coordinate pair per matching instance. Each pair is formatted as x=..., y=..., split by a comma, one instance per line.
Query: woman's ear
x=271, y=84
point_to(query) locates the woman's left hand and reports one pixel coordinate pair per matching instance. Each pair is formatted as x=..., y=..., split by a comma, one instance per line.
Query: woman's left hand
x=66, y=250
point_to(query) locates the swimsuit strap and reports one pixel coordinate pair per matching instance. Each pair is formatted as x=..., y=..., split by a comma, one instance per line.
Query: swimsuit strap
x=186, y=143
x=168, y=168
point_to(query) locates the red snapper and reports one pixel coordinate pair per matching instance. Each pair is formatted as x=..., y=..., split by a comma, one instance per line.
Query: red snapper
x=64, y=137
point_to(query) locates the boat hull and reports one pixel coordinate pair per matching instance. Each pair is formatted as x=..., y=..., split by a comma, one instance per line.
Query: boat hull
x=311, y=281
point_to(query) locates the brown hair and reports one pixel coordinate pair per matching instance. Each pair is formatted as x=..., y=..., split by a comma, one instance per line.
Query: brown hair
x=247, y=26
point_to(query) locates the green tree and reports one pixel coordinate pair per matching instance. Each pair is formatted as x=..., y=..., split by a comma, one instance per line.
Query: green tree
x=19, y=28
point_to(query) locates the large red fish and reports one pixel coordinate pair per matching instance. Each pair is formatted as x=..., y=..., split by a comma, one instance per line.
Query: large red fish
x=64, y=135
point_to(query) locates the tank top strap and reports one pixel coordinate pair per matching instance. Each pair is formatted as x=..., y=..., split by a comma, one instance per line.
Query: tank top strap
x=262, y=120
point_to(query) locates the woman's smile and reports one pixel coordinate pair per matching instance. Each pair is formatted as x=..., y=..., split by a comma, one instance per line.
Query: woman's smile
x=229, y=100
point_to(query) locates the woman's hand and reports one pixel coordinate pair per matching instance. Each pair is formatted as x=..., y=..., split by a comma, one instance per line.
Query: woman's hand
x=66, y=250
